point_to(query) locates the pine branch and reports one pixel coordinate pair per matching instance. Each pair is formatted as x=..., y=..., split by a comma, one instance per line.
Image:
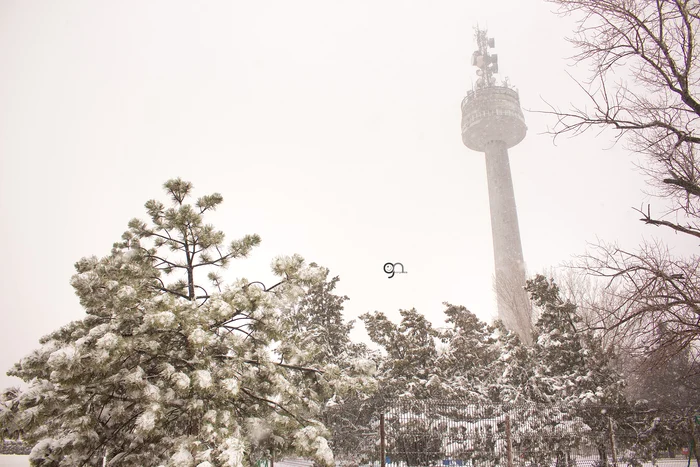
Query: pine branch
x=299, y=420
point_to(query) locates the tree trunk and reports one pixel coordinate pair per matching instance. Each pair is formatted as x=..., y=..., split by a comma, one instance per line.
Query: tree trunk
x=603, y=456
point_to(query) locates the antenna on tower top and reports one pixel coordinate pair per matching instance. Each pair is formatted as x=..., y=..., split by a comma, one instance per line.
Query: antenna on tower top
x=486, y=63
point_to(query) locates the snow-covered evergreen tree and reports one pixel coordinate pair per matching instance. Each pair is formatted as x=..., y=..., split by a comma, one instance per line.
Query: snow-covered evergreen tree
x=165, y=369
x=407, y=371
x=511, y=372
x=573, y=367
x=319, y=314
x=409, y=367
x=573, y=374
x=316, y=324
x=560, y=393
x=466, y=360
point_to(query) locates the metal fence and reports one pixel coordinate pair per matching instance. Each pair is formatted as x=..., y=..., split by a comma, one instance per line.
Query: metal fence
x=430, y=433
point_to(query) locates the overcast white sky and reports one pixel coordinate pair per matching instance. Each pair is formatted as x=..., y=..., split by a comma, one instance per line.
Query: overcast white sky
x=331, y=128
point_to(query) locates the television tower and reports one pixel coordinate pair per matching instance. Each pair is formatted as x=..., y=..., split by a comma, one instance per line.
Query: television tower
x=492, y=122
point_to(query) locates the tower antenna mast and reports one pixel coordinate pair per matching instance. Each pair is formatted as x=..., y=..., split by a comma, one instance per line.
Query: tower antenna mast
x=486, y=62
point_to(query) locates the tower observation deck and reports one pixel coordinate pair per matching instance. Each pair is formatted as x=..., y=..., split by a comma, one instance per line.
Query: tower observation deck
x=492, y=123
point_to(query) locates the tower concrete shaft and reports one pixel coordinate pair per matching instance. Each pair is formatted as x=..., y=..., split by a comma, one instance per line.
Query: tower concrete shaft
x=512, y=301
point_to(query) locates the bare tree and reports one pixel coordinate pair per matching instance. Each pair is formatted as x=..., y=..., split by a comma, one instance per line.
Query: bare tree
x=594, y=297
x=644, y=84
x=514, y=307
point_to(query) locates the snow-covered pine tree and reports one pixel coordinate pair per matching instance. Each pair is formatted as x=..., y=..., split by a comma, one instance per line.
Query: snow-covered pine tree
x=408, y=368
x=316, y=324
x=510, y=374
x=319, y=313
x=573, y=366
x=165, y=369
x=573, y=374
x=407, y=371
x=465, y=363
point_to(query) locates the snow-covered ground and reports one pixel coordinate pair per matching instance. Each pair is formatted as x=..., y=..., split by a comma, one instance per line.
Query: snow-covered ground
x=13, y=461
x=677, y=462
x=660, y=463
x=584, y=462
x=23, y=461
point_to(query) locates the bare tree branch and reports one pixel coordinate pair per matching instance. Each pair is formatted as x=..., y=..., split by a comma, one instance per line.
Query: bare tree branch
x=643, y=85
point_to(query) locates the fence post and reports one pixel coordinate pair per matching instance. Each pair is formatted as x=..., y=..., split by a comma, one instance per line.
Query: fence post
x=612, y=442
x=382, y=453
x=509, y=442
